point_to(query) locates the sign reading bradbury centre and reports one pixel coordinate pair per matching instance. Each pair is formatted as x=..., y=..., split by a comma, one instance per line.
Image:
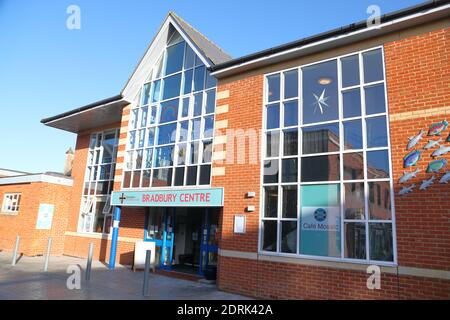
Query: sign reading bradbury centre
x=212, y=197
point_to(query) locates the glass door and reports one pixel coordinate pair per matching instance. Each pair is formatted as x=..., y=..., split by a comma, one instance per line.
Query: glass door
x=209, y=241
x=160, y=229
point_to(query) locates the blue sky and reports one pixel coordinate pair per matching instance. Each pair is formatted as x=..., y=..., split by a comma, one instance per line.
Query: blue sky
x=46, y=69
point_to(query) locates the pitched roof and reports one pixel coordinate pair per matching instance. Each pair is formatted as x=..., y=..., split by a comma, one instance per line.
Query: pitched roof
x=212, y=51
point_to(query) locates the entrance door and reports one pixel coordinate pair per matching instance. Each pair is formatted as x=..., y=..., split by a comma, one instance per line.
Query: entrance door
x=160, y=230
x=209, y=243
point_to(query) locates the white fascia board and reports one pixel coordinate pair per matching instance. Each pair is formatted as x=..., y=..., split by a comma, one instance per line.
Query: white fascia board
x=37, y=178
x=332, y=42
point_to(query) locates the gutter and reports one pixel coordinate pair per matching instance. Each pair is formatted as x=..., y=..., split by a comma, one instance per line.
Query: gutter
x=325, y=36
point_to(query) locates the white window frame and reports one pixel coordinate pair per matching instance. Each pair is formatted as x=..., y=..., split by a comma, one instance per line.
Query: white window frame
x=88, y=200
x=341, y=152
x=200, y=140
x=11, y=203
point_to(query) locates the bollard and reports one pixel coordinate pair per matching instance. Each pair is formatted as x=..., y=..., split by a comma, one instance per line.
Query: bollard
x=89, y=261
x=145, y=290
x=16, y=248
x=47, y=254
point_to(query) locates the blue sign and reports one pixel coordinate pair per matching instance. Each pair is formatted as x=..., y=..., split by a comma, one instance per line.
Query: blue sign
x=212, y=197
x=45, y=216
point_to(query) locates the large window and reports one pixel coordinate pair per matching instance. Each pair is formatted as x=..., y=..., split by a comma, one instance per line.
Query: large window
x=171, y=130
x=96, y=211
x=326, y=175
x=11, y=203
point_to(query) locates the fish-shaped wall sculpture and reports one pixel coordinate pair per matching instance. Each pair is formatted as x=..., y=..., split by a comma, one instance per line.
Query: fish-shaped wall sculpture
x=407, y=190
x=443, y=150
x=431, y=144
x=437, y=165
x=427, y=183
x=411, y=159
x=446, y=178
x=408, y=176
x=437, y=128
x=413, y=141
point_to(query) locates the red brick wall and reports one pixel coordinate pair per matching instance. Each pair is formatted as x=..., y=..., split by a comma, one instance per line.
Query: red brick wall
x=34, y=242
x=417, y=73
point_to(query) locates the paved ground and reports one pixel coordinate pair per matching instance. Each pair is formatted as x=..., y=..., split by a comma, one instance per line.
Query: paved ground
x=27, y=281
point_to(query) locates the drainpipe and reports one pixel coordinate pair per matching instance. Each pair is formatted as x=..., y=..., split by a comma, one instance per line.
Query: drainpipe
x=115, y=236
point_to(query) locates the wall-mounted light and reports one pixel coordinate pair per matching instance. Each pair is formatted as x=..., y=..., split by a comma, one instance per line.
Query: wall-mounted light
x=325, y=81
x=251, y=209
x=251, y=194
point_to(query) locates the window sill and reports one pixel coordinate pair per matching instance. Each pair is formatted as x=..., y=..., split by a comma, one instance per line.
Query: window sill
x=9, y=213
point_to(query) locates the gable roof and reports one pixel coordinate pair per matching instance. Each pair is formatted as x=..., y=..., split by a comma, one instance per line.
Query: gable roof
x=212, y=51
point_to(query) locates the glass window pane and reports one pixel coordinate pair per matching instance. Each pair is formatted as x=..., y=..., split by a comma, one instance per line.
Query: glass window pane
x=187, y=82
x=146, y=94
x=322, y=138
x=211, y=81
x=375, y=102
x=134, y=119
x=355, y=241
x=376, y=132
x=151, y=137
x=162, y=177
x=290, y=197
x=273, y=84
x=290, y=113
x=289, y=236
x=289, y=167
x=199, y=78
x=198, y=61
x=373, y=66
x=105, y=172
x=269, y=236
x=198, y=102
x=354, y=201
x=179, y=176
x=127, y=179
x=273, y=116
x=272, y=144
x=182, y=151
x=164, y=157
x=141, y=141
x=320, y=168
x=207, y=151
x=196, y=124
x=353, y=135
x=271, y=171
x=351, y=101
x=136, y=179
x=320, y=220
x=380, y=200
x=290, y=84
x=167, y=133
x=209, y=127
x=377, y=164
x=353, y=166
x=189, y=58
x=108, y=147
x=271, y=202
x=139, y=155
x=156, y=89
x=350, y=71
x=172, y=86
x=144, y=114
x=210, y=101
x=153, y=115
x=184, y=131
x=194, y=153
x=149, y=158
x=320, y=92
x=169, y=111
x=185, y=108
x=380, y=238
x=175, y=55
x=290, y=143
x=132, y=139
x=191, y=178
x=146, y=175
x=205, y=175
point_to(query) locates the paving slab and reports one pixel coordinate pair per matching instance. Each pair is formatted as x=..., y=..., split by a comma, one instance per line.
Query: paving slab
x=27, y=281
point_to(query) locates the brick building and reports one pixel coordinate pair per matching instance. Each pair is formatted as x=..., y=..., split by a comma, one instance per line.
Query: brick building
x=281, y=169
